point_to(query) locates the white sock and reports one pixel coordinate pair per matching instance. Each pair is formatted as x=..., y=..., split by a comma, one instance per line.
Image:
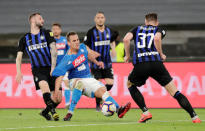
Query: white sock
x=146, y=112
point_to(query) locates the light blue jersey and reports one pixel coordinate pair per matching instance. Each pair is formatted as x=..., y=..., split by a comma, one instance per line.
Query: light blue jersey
x=76, y=64
x=62, y=47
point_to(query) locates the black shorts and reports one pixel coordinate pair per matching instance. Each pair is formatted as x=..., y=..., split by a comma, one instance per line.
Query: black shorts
x=102, y=73
x=143, y=71
x=43, y=73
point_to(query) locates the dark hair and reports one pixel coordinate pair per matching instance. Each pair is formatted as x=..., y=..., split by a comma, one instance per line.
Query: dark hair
x=56, y=24
x=32, y=15
x=151, y=17
x=100, y=12
x=69, y=34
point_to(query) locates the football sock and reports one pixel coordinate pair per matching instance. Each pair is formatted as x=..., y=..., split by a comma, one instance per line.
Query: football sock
x=49, y=102
x=113, y=101
x=98, y=100
x=67, y=95
x=108, y=87
x=138, y=98
x=184, y=103
x=75, y=98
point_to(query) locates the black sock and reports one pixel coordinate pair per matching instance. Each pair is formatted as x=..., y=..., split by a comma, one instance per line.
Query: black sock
x=55, y=104
x=108, y=87
x=184, y=103
x=98, y=100
x=48, y=101
x=138, y=98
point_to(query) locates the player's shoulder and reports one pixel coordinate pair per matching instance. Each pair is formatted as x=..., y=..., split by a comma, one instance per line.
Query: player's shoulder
x=82, y=45
x=63, y=38
x=23, y=37
x=91, y=29
x=47, y=31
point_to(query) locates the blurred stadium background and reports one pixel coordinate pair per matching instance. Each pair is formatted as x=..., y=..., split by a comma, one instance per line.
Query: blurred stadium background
x=183, y=19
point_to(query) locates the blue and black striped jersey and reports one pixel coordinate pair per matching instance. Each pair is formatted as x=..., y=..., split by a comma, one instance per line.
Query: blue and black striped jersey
x=37, y=47
x=100, y=42
x=144, y=49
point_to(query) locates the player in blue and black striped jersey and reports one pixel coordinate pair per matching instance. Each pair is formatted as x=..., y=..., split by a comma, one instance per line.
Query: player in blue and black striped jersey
x=62, y=48
x=39, y=44
x=147, y=61
x=101, y=39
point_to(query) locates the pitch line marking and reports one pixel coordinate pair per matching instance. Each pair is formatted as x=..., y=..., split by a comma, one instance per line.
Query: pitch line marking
x=102, y=124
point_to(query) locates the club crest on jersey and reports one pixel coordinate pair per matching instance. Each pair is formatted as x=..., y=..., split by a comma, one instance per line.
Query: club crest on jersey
x=107, y=36
x=78, y=60
x=42, y=37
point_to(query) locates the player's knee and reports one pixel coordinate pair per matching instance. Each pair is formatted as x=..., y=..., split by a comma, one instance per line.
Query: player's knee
x=129, y=84
x=105, y=95
x=79, y=85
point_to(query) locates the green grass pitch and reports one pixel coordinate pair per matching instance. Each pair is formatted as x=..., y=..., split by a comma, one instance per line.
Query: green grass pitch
x=90, y=120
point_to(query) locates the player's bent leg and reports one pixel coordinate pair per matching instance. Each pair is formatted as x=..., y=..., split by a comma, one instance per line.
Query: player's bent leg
x=77, y=93
x=109, y=83
x=48, y=101
x=182, y=100
x=139, y=100
x=98, y=102
x=101, y=92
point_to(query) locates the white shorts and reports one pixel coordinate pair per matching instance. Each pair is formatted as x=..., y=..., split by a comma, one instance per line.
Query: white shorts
x=66, y=76
x=90, y=85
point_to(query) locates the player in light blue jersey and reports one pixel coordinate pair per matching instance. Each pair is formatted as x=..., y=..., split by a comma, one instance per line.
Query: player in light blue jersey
x=80, y=80
x=62, y=48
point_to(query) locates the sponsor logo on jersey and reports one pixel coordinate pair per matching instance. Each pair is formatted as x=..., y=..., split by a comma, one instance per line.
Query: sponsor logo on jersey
x=37, y=46
x=100, y=43
x=78, y=60
x=148, y=53
x=60, y=46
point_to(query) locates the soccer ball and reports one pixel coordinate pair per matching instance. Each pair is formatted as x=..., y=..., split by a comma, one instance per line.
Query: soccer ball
x=108, y=108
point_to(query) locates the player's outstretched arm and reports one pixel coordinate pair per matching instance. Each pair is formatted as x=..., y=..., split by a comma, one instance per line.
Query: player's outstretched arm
x=92, y=58
x=53, y=51
x=92, y=52
x=19, y=75
x=126, y=40
x=158, y=44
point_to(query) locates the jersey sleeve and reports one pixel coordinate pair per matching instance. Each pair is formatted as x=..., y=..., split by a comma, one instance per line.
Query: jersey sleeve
x=21, y=44
x=114, y=34
x=49, y=37
x=162, y=31
x=133, y=31
x=64, y=66
x=87, y=38
x=84, y=48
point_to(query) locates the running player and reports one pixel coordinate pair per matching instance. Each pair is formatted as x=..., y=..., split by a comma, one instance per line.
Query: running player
x=76, y=62
x=40, y=46
x=62, y=47
x=101, y=39
x=147, y=61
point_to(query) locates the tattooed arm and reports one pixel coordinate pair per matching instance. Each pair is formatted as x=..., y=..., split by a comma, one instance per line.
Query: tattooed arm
x=53, y=51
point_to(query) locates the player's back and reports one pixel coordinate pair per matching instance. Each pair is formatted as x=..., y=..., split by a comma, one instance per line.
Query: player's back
x=145, y=49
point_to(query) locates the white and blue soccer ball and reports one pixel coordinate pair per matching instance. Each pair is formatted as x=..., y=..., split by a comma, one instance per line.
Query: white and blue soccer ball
x=108, y=108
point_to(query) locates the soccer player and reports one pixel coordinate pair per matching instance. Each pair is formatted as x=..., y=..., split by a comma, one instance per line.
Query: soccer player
x=39, y=44
x=101, y=39
x=147, y=61
x=62, y=47
x=76, y=62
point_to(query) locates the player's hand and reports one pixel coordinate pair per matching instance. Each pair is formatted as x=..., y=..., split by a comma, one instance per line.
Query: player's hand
x=126, y=59
x=163, y=56
x=100, y=64
x=19, y=78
